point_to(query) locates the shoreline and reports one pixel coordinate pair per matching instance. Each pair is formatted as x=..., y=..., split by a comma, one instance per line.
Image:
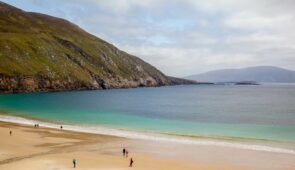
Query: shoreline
x=237, y=143
x=50, y=149
x=22, y=118
x=30, y=148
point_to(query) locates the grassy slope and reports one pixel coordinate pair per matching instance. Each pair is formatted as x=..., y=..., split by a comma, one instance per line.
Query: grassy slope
x=34, y=44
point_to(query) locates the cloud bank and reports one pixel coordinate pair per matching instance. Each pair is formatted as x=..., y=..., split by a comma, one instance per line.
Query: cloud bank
x=183, y=37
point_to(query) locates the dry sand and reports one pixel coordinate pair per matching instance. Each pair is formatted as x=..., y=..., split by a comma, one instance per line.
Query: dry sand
x=31, y=148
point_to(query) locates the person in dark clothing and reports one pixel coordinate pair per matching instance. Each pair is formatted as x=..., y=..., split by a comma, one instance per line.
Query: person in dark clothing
x=10, y=133
x=124, y=151
x=74, y=163
x=61, y=127
x=131, y=162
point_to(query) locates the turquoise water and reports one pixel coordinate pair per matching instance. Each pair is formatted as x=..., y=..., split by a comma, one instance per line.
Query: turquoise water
x=259, y=112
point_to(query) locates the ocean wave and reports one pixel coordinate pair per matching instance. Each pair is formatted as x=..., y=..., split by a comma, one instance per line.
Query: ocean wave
x=147, y=136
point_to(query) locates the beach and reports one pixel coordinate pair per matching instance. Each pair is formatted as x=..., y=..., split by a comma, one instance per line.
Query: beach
x=30, y=148
x=147, y=85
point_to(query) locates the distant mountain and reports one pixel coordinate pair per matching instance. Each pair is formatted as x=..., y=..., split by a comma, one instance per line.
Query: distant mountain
x=263, y=74
x=44, y=53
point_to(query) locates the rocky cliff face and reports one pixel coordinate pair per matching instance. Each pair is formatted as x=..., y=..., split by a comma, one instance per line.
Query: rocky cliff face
x=43, y=53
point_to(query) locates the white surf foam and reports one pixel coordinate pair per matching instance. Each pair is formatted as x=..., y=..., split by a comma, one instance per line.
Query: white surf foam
x=148, y=136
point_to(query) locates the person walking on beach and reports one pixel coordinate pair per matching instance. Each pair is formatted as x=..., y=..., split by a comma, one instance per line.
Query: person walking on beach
x=131, y=162
x=10, y=133
x=124, y=151
x=61, y=127
x=74, y=163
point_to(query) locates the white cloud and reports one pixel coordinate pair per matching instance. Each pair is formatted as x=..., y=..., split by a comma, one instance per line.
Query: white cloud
x=183, y=37
x=250, y=21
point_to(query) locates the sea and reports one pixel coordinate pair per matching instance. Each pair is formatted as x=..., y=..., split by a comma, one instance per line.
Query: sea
x=173, y=113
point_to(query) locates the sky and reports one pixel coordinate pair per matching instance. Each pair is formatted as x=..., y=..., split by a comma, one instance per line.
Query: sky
x=185, y=37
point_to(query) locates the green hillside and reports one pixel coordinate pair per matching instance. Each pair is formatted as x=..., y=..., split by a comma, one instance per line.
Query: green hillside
x=43, y=53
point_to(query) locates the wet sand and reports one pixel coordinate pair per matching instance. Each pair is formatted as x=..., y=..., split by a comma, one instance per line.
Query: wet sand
x=30, y=148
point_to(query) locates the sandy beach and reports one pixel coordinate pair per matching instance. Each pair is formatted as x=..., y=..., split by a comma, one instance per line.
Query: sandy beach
x=30, y=148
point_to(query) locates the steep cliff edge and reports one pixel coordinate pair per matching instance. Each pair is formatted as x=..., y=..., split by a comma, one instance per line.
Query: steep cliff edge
x=43, y=53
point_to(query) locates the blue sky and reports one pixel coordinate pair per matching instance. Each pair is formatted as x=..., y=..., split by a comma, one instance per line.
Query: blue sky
x=184, y=37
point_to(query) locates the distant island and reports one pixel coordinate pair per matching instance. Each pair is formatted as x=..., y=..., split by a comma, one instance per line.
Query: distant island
x=247, y=76
x=44, y=53
x=237, y=83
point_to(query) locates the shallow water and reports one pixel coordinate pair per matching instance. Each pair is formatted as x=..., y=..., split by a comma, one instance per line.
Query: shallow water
x=258, y=112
